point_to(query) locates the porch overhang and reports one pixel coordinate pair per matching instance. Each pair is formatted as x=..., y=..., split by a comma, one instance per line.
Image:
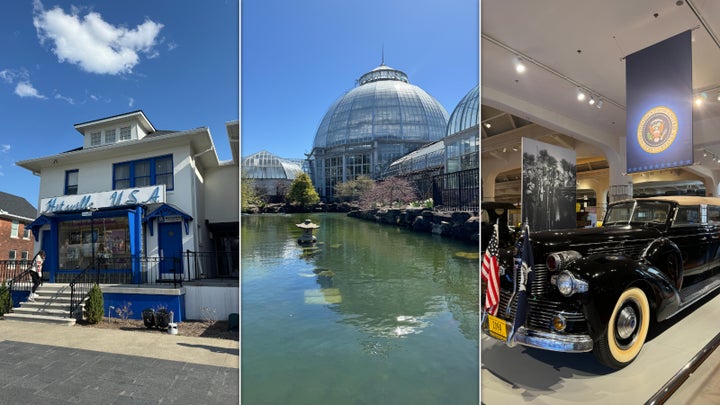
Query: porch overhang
x=164, y=211
x=37, y=224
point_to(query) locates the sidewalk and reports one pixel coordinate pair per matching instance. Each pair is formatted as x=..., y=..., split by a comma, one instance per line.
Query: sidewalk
x=209, y=351
x=73, y=364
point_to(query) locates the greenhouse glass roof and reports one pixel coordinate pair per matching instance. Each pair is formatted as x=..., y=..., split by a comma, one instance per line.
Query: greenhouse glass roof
x=264, y=165
x=385, y=106
x=465, y=115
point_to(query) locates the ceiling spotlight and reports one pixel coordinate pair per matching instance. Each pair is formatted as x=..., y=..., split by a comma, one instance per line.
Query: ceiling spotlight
x=487, y=125
x=504, y=149
x=704, y=153
x=592, y=101
x=515, y=148
x=698, y=101
x=599, y=103
x=519, y=65
x=580, y=94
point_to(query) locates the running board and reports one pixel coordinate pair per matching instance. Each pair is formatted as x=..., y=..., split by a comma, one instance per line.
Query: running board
x=690, y=295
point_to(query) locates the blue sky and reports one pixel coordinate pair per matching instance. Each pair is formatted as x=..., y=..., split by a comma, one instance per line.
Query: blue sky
x=298, y=57
x=68, y=62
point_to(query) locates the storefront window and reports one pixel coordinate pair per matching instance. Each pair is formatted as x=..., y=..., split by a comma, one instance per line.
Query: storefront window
x=108, y=236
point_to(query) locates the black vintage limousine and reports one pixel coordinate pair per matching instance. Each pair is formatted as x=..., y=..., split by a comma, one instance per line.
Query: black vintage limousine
x=597, y=289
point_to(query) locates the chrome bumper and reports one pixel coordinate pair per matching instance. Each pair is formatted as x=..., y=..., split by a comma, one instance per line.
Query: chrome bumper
x=547, y=340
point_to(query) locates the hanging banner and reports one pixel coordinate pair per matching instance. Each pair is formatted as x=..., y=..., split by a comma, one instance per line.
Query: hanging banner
x=659, y=105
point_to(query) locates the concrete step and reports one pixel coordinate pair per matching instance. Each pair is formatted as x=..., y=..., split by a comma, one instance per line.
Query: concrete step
x=51, y=306
x=43, y=310
x=63, y=299
x=39, y=318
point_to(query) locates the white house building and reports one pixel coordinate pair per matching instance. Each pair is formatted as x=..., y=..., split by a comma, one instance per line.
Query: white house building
x=144, y=206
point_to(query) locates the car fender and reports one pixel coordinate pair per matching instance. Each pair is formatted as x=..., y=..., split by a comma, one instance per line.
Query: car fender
x=656, y=255
x=607, y=278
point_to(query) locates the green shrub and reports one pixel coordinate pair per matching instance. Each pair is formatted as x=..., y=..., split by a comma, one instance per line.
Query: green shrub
x=5, y=300
x=94, y=310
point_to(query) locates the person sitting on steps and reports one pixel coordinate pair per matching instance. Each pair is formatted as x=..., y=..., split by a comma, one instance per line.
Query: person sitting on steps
x=36, y=273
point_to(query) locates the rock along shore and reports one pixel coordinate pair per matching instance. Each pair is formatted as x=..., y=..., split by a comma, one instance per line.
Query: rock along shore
x=461, y=225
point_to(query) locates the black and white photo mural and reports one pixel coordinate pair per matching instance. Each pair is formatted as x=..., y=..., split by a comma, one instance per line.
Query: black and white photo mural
x=548, y=186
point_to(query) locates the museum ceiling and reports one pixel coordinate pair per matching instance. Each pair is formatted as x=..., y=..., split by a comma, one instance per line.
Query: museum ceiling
x=566, y=44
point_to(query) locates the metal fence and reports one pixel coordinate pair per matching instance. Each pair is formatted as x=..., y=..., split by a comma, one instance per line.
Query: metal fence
x=10, y=269
x=459, y=191
x=192, y=266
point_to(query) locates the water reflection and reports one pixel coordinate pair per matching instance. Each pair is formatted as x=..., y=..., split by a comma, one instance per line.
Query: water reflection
x=366, y=292
x=390, y=285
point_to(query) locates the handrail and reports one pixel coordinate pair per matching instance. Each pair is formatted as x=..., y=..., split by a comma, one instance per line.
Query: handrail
x=17, y=279
x=80, y=286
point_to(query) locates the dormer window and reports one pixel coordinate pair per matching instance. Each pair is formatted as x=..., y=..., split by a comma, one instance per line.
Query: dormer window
x=125, y=133
x=110, y=136
x=95, y=139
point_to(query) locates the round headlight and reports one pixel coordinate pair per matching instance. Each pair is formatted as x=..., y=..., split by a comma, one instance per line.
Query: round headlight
x=565, y=284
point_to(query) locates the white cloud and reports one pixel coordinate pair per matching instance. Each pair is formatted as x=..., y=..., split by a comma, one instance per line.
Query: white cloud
x=5, y=148
x=6, y=75
x=26, y=89
x=92, y=43
x=131, y=102
x=10, y=75
x=69, y=100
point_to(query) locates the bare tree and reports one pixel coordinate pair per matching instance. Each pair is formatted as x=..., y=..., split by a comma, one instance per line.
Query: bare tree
x=389, y=192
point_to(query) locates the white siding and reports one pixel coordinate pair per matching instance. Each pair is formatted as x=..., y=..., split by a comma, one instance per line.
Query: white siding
x=222, y=197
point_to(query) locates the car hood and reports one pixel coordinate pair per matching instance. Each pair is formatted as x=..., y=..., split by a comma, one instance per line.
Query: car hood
x=582, y=239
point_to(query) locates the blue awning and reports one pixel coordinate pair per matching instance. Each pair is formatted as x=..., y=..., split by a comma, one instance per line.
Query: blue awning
x=37, y=224
x=165, y=211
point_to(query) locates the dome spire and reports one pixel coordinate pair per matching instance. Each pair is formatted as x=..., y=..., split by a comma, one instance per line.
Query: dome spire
x=382, y=57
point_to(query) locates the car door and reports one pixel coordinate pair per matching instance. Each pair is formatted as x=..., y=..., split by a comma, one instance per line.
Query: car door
x=693, y=237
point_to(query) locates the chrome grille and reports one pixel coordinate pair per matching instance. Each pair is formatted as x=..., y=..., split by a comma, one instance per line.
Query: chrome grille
x=540, y=312
x=541, y=282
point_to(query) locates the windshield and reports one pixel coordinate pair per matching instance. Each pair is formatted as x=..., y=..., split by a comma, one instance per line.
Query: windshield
x=638, y=212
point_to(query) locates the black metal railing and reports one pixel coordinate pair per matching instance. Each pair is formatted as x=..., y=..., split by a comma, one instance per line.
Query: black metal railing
x=204, y=265
x=21, y=282
x=81, y=285
x=457, y=191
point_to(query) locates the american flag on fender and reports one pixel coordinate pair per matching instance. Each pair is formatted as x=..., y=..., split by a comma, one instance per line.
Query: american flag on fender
x=490, y=273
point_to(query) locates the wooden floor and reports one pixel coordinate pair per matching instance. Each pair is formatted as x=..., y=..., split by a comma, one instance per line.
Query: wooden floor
x=534, y=376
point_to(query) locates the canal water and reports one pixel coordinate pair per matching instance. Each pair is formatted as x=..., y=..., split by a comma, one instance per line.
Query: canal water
x=372, y=314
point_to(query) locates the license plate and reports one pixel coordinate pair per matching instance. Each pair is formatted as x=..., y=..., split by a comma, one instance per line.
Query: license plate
x=497, y=327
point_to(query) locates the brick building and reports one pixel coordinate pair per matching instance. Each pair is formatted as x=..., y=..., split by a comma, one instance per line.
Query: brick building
x=16, y=214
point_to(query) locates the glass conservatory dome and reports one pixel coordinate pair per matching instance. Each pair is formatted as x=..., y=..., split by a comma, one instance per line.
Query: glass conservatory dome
x=265, y=165
x=384, y=106
x=465, y=114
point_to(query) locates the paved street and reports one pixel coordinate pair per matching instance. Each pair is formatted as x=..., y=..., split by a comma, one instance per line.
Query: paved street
x=47, y=364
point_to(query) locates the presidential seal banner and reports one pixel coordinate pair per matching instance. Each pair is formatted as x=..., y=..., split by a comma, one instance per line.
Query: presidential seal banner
x=659, y=105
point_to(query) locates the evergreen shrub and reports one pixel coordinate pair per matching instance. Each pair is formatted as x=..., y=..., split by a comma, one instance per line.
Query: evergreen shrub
x=5, y=300
x=94, y=306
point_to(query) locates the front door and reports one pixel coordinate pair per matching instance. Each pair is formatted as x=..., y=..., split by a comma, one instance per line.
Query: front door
x=170, y=241
x=44, y=243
